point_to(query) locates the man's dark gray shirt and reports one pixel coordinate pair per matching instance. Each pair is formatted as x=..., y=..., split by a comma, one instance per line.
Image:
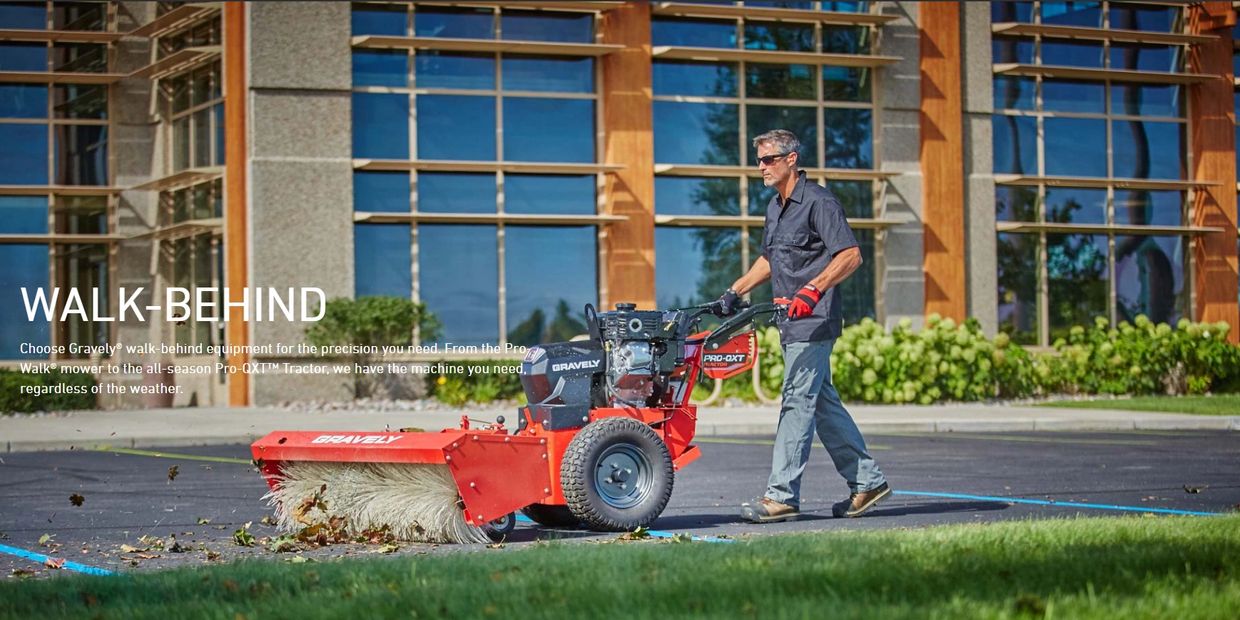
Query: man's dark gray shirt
x=800, y=239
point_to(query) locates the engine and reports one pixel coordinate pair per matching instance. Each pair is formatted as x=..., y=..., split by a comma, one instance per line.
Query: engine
x=629, y=360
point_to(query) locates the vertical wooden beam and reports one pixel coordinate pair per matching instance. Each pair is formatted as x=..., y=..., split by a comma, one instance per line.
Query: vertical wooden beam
x=628, y=129
x=942, y=160
x=236, y=225
x=1212, y=123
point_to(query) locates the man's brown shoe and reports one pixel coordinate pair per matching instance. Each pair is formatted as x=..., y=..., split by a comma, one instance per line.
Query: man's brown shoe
x=858, y=503
x=768, y=511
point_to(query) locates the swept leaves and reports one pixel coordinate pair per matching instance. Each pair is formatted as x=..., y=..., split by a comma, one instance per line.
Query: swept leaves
x=76, y=499
x=46, y=539
x=242, y=537
x=172, y=472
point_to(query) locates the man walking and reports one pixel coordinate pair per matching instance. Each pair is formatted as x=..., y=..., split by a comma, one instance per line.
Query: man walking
x=807, y=250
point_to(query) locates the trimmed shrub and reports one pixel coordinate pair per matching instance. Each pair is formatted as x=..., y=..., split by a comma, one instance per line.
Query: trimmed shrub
x=482, y=387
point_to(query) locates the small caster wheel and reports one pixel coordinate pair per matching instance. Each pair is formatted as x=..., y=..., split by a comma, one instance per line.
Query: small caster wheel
x=501, y=527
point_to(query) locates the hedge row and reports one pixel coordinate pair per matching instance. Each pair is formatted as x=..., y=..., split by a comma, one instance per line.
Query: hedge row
x=74, y=391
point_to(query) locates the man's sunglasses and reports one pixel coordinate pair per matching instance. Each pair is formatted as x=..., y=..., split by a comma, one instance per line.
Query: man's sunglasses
x=770, y=159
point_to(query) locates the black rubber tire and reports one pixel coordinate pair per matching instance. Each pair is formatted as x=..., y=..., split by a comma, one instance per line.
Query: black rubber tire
x=551, y=515
x=578, y=473
x=500, y=528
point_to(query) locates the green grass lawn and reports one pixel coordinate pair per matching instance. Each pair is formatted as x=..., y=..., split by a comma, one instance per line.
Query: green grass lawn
x=1221, y=404
x=1128, y=567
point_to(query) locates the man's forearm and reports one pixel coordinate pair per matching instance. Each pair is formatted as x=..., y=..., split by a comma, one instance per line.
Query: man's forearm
x=760, y=272
x=838, y=270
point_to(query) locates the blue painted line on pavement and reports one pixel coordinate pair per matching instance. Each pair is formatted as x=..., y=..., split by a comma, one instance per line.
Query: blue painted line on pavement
x=1045, y=502
x=654, y=533
x=42, y=559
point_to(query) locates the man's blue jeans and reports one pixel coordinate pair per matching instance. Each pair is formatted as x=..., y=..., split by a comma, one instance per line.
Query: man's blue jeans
x=811, y=403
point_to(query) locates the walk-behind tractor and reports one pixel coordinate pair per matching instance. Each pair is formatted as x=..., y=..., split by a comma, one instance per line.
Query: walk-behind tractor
x=607, y=425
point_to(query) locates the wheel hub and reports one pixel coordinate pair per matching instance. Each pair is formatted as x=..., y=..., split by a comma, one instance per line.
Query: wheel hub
x=623, y=476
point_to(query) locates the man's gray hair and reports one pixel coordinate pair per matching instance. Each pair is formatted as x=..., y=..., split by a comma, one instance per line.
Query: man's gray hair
x=783, y=140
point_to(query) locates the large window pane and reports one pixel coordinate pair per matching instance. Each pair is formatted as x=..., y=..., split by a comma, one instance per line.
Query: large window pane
x=846, y=39
x=23, y=154
x=380, y=67
x=693, y=32
x=1011, y=12
x=180, y=143
x=696, y=133
x=1146, y=57
x=1011, y=50
x=1073, y=96
x=683, y=77
x=23, y=101
x=379, y=19
x=1148, y=150
x=1147, y=99
x=560, y=130
x=782, y=36
x=381, y=260
x=547, y=73
x=1149, y=278
x=80, y=57
x=81, y=101
x=857, y=198
x=381, y=125
x=857, y=292
x=849, y=138
x=85, y=268
x=23, y=57
x=456, y=127
x=1125, y=16
x=696, y=196
x=23, y=215
x=1149, y=208
x=1076, y=268
x=844, y=142
x=546, y=26
x=694, y=265
x=24, y=266
x=23, y=15
x=759, y=198
x=202, y=138
x=1018, y=285
x=381, y=192
x=846, y=83
x=453, y=192
x=547, y=290
x=1070, y=205
x=1014, y=93
x=1071, y=54
x=553, y=194
x=83, y=215
x=451, y=70
x=79, y=15
x=1077, y=13
x=459, y=280
x=780, y=81
x=455, y=23
x=1076, y=147
x=1016, y=203
x=81, y=155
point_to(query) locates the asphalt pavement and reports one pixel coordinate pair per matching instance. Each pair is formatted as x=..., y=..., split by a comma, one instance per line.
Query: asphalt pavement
x=940, y=478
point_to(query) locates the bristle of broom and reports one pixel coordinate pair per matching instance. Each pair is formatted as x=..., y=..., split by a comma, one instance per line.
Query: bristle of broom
x=417, y=501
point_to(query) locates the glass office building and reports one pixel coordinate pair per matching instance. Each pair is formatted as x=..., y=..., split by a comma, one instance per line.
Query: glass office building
x=1030, y=164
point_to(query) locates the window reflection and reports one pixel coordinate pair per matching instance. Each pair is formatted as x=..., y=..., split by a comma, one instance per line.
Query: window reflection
x=546, y=290
x=81, y=154
x=547, y=26
x=845, y=39
x=857, y=198
x=1069, y=205
x=459, y=127
x=847, y=135
x=696, y=196
x=694, y=265
x=23, y=15
x=1128, y=16
x=80, y=101
x=381, y=125
x=1077, y=280
x=846, y=83
x=1149, y=149
x=1018, y=284
x=683, y=77
x=24, y=266
x=436, y=69
x=549, y=194
x=696, y=133
x=378, y=19
x=454, y=23
x=1147, y=99
x=1071, y=54
x=1073, y=96
x=782, y=36
x=1149, y=278
x=1149, y=208
x=549, y=130
x=23, y=57
x=546, y=73
x=380, y=68
x=1014, y=93
x=1088, y=14
x=857, y=292
x=1016, y=204
x=24, y=156
x=23, y=215
x=381, y=260
x=458, y=279
x=1145, y=57
x=1016, y=150
x=1075, y=147
x=85, y=268
x=692, y=32
x=456, y=192
x=381, y=192
x=780, y=81
x=23, y=101
x=849, y=138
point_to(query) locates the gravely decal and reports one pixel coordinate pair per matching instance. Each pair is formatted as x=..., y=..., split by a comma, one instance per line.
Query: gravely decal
x=379, y=439
x=575, y=365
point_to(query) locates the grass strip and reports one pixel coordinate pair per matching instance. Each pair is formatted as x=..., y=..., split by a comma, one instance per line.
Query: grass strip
x=1218, y=404
x=1126, y=567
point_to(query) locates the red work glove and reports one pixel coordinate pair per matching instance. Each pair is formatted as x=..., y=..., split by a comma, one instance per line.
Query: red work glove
x=803, y=302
